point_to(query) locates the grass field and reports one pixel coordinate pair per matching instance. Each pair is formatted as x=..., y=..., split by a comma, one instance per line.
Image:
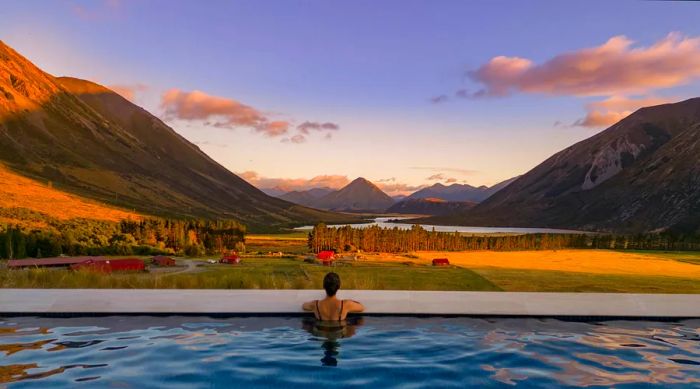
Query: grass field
x=258, y=273
x=540, y=271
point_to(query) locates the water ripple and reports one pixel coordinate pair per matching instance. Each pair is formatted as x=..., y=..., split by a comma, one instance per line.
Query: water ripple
x=190, y=352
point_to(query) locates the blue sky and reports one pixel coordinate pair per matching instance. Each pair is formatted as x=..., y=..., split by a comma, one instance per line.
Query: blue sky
x=369, y=67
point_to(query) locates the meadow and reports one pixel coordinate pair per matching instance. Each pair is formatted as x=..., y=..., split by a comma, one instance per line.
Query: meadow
x=526, y=271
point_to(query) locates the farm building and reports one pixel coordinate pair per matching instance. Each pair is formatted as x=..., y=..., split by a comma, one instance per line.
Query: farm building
x=111, y=265
x=231, y=259
x=49, y=262
x=161, y=260
x=441, y=262
x=326, y=257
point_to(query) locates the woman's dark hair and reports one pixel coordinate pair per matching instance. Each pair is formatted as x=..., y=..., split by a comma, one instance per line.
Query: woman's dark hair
x=331, y=283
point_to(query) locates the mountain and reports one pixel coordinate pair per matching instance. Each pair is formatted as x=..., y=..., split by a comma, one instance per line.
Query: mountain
x=430, y=206
x=308, y=198
x=91, y=142
x=359, y=195
x=27, y=202
x=460, y=192
x=641, y=174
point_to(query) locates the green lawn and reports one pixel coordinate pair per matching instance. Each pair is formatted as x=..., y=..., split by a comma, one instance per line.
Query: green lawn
x=518, y=280
x=255, y=273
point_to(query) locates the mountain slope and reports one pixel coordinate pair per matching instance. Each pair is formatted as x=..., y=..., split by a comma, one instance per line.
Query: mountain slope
x=18, y=192
x=641, y=174
x=430, y=206
x=359, y=195
x=460, y=192
x=90, y=141
x=307, y=198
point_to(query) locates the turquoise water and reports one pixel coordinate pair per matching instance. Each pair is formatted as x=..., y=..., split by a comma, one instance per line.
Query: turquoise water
x=405, y=352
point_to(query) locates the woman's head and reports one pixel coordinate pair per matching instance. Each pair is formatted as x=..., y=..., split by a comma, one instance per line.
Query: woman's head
x=331, y=283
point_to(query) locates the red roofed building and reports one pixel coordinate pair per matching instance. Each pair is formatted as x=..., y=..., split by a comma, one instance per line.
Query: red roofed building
x=441, y=262
x=161, y=260
x=326, y=257
x=111, y=265
x=231, y=258
x=49, y=262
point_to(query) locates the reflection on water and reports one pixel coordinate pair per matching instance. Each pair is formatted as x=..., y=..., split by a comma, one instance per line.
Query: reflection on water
x=142, y=351
x=329, y=333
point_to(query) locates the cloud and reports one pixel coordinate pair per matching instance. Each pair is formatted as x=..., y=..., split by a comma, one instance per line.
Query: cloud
x=613, y=109
x=394, y=189
x=438, y=176
x=612, y=68
x=464, y=172
x=128, y=91
x=307, y=127
x=224, y=112
x=383, y=180
x=295, y=139
x=451, y=180
x=290, y=184
x=439, y=99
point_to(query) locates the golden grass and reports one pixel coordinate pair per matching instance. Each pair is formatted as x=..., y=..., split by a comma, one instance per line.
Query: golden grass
x=21, y=192
x=578, y=261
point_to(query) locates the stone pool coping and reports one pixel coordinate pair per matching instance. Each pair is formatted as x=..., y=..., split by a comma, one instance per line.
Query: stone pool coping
x=255, y=301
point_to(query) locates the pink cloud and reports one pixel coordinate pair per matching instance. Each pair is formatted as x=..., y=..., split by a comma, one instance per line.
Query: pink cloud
x=128, y=91
x=227, y=113
x=290, y=184
x=394, y=189
x=438, y=176
x=613, y=109
x=612, y=68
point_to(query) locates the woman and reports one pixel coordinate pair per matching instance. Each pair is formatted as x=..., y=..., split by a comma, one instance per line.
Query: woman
x=332, y=309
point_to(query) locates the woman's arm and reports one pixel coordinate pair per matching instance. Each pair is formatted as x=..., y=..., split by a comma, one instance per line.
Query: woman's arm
x=309, y=305
x=354, y=306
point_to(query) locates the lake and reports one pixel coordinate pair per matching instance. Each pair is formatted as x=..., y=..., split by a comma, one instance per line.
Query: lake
x=385, y=223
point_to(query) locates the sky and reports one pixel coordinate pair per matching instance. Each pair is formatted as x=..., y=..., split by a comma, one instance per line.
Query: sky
x=300, y=94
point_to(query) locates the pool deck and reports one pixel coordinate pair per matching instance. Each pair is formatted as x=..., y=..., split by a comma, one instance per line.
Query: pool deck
x=253, y=301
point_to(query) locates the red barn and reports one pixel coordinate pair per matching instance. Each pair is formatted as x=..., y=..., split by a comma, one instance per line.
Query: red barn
x=441, y=262
x=326, y=257
x=111, y=265
x=164, y=261
x=231, y=259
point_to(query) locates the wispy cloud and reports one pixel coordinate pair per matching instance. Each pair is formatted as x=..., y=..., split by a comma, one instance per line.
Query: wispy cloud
x=613, y=68
x=223, y=112
x=464, y=172
x=290, y=184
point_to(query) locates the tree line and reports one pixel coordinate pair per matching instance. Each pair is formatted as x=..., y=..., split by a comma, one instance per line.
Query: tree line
x=395, y=240
x=128, y=237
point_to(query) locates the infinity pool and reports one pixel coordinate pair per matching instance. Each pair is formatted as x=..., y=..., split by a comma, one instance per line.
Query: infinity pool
x=204, y=352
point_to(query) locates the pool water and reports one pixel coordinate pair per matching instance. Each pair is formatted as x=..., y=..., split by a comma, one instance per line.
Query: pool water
x=405, y=352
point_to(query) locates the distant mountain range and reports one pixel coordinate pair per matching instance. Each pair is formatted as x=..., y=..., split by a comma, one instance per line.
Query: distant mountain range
x=642, y=174
x=430, y=206
x=87, y=140
x=460, y=192
x=362, y=195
